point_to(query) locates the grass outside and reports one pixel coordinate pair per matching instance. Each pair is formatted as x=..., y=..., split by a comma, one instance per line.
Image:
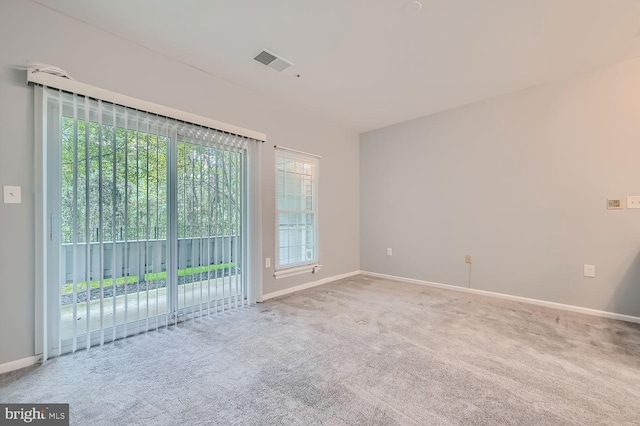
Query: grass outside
x=152, y=276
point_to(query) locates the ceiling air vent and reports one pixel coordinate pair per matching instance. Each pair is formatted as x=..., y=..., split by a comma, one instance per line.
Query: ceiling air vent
x=272, y=60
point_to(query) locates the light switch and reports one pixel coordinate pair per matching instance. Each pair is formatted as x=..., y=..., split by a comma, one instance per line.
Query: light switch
x=12, y=195
x=590, y=271
x=633, y=202
x=267, y=262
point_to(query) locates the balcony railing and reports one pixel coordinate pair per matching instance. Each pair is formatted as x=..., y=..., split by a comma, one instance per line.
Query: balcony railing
x=144, y=258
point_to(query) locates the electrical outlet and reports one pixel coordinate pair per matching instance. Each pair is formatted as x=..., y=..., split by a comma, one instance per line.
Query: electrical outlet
x=267, y=262
x=633, y=202
x=467, y=258
x=389, y=252
x=590, y=271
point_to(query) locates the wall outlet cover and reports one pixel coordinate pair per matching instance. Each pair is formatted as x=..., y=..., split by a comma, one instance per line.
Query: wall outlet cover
x=12, y=195
x=633, y=202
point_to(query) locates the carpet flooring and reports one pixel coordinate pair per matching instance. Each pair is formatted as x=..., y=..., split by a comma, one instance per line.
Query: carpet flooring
x=362, y=350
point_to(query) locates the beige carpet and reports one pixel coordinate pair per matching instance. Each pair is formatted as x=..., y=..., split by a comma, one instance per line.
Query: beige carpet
x=358, y=351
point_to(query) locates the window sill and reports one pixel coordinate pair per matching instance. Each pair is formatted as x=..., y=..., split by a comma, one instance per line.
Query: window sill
x=297, y=270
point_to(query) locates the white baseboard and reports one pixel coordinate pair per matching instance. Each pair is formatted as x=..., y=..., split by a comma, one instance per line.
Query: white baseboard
x=19, y=363
x=308, y=285
x=571, y=308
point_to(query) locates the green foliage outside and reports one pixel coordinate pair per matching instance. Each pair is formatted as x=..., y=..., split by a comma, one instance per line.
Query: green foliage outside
x=152, y=276
x=115, y=185
x=189, y=271
x=108, y=282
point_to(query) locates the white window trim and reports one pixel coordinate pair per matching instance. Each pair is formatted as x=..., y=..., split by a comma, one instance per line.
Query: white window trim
x=312, y=266
x=297, y=270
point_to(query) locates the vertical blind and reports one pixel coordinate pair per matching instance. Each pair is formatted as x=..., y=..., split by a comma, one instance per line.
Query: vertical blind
x=146, y=220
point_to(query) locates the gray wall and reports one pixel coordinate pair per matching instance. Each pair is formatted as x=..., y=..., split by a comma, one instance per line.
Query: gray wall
x=520, y=182
x=29, y=32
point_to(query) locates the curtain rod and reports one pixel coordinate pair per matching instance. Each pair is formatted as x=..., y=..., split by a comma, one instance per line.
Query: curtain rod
x=83, y=89
x=282, y=148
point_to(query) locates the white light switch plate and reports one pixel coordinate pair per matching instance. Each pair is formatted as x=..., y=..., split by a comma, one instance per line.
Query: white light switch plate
x=633, y=202
x=590, y=271
x=267, y=262
x=12, y=195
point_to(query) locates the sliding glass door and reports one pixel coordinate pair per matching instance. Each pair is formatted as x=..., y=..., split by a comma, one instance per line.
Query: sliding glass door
x=146, y=217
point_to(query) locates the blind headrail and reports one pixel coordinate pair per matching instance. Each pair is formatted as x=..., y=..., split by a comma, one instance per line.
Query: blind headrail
x=282, y=148
x=87, y=90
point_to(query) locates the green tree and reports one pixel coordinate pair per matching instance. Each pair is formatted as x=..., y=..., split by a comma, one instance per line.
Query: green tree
x=115, y=185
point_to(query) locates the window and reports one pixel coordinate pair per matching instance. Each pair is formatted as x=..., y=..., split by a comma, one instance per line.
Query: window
x=296, y=212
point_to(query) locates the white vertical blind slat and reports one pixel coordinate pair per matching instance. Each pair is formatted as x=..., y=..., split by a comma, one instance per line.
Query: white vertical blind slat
x=209, y=218
x=218, y=251
x=113, y=224
x=202, y=236
x=100, y=222
x=236, y=223
x=229, y=221
x=87, y=224
x=58, y=316
x=141, y=272
x=125, y=248
x=74, y=225
x=147, y=226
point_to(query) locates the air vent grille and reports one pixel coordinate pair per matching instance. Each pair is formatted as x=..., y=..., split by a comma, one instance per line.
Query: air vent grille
x=273, y=61
x=265, y=57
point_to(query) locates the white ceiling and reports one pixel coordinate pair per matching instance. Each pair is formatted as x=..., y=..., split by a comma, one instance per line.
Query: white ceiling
x=366, y=63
